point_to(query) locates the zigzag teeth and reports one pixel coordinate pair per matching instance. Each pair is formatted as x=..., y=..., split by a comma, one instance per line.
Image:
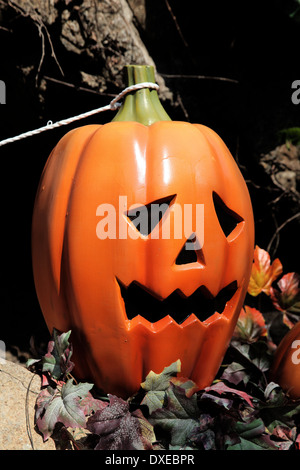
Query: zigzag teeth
x=140, y=302
x=140, y=323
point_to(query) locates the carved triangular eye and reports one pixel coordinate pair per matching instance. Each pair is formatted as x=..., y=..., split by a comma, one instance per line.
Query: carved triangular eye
x=228, y=219
x=145, y=218
x=190, y=253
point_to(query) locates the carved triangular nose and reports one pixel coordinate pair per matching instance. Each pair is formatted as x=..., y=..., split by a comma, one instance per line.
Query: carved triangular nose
x=190, y=252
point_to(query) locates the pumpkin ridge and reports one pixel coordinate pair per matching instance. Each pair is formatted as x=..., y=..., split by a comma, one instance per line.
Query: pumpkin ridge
x=56, y=269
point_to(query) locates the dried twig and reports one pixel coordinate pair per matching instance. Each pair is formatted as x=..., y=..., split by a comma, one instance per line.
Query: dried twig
x=176, y=24
x=42, y=29
x=2, y=28
x=52, y=49
x=180, y=102
x=78, y=88
x=278, y=229
x=200, y=77
x=28, y=426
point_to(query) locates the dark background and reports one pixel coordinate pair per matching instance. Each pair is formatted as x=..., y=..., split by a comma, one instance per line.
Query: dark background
x=255, y=45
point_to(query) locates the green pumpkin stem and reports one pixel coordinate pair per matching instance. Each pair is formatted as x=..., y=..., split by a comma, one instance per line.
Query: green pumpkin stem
x=142, y=105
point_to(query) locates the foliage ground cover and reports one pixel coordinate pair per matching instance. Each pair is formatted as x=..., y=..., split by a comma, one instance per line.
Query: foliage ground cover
x=241, y=410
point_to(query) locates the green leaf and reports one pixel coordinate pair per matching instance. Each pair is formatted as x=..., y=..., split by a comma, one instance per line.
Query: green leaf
x=260, y=355
x=154, y=400
x=157, y=384
x=160, y=382
x=292, y=134
x=62, y=406
x=179, y=417
x=253, y=435
x=284, y=415
x=244, y=444
x=188, y=385
x=57, y=359
x=250, y=430
x=256, y=354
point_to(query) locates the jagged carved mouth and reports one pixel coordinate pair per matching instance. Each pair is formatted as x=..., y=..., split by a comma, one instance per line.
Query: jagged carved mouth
x=139, y=301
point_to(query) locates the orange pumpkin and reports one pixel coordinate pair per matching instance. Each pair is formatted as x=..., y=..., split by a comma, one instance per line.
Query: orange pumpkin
x=285, y=369
x=136, y=300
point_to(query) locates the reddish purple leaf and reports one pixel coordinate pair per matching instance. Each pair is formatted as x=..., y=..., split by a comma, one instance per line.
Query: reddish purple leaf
x=120, y=429
x=287, y=298
x=221, y=388
x=250, y=325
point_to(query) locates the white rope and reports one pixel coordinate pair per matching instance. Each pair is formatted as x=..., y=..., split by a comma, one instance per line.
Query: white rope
x=112, y=106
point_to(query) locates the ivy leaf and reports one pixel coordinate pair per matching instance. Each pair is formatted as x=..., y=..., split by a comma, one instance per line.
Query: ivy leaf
x=61, y=405
x=253, y=435
x=287, y=298
x=57, y=360
x=179, y=417
x=205, y=439
x=274, y=395
x=263, y=272
x=154, y=400
x=250, y=325
x=220, y=388
x=256, y=354
x=156, y=384
x=286, y=437
x=90, y=405
x=280, y=413
x=250, y=430
x=43, y=400
x=119, y=429
x=204, y=436
x=235, y=373
x=188, y=385
x=160, y=382
x=263, y=443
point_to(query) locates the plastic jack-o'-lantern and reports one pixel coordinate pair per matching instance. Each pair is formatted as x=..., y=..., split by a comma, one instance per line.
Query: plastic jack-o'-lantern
x=134, y=299
x=285, y=369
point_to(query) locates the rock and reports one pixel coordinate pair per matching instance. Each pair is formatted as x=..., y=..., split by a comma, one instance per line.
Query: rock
x=99, y=38
x=283, y=166
x=18, y=392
